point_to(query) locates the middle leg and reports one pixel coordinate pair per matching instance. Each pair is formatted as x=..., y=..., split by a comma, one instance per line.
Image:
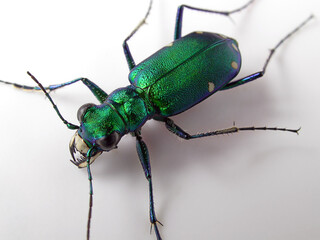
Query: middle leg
x=125, y=46
x=179, y=17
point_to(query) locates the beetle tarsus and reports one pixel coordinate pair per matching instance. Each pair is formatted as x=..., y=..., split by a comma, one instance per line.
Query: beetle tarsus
x=156, y=230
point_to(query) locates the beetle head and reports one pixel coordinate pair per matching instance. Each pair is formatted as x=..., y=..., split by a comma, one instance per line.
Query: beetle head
x=100, y=130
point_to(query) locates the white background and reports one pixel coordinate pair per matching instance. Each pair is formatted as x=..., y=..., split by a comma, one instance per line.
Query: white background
x=253, y=185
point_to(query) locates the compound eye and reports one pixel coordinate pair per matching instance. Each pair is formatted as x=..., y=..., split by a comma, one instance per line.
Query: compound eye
x=82, y=111
x=109, y=142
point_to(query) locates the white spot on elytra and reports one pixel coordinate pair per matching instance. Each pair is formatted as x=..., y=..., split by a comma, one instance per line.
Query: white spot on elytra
x=235, y=47
x=199, y=32
x=234, y=65
x=170, y=44
x=223, y=36
x=210, y=86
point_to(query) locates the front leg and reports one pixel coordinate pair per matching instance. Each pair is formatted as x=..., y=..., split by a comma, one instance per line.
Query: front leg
x=95, y=89
x=143, y=154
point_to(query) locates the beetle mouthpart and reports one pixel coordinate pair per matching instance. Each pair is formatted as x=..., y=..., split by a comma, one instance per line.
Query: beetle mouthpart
x=79, y=149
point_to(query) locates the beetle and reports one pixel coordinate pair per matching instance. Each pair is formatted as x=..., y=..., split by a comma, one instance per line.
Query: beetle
x=174, y=79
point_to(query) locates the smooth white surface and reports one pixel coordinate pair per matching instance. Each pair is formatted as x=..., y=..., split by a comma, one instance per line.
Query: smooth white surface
x=254, y=185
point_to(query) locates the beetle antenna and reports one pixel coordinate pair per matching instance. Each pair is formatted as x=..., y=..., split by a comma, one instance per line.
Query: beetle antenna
x=69, y=125
x=90, y=192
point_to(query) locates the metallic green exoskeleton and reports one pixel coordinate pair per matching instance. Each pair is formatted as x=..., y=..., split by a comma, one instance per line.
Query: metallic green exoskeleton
x=187, y=71
x=172, y=80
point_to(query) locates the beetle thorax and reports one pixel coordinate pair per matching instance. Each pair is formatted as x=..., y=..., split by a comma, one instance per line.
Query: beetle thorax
x=131, y=106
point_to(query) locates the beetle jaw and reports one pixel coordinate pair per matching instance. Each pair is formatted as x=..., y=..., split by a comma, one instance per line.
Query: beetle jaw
x=79, y=149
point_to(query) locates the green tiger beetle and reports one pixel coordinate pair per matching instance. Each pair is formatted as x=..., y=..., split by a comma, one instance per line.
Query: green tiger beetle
x=172, y=80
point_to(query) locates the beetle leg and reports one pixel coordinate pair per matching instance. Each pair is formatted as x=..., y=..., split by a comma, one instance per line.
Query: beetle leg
x=143, y=154
x=97, y=91
x=244, y=80
x=272, y=51
x=178, y=26
x=175, y=129
x=125, y=46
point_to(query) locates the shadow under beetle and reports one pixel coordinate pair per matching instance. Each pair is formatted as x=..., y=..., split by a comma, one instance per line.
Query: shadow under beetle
x=172, y=80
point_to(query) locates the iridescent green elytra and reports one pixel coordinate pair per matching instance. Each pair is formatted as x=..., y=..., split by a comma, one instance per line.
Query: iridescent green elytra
x=186, y=71
x=172, y=80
